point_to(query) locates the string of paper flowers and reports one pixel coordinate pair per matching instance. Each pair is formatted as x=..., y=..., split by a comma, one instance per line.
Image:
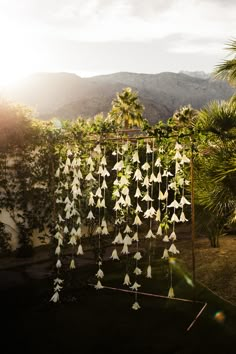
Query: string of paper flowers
x=160, y=171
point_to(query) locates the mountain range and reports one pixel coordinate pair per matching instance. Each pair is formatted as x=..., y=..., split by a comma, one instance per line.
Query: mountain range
x=67, y=96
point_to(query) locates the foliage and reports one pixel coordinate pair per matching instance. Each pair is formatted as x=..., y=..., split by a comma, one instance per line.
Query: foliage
x=126, y=110
x=215, y=167
x=227, y=69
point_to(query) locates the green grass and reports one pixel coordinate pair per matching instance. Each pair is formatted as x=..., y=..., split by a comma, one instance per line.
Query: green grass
x=90, y=321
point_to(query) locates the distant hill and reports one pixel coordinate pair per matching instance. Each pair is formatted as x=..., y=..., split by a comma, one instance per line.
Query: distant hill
x=68, y=96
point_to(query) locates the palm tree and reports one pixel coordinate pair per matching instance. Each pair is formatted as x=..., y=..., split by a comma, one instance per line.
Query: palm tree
x=227, y=69
x=126, y=110
x=215, y=168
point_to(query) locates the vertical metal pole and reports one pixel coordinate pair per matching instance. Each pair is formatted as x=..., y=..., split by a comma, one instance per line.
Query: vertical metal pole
x=193, y=213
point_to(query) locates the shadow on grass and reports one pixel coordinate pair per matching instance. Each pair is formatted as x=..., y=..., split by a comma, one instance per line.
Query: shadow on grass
x=91, y=321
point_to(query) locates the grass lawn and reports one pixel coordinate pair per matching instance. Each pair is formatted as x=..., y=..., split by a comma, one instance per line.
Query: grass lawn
x=102, y=321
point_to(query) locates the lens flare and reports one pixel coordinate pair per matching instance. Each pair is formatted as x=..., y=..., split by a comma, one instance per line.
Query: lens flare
x=219, y=317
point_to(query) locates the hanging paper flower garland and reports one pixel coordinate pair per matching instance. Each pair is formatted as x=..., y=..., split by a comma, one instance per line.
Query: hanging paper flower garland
x=99, y=204
x=145, y=175
x=69, y=220
x=137, y=222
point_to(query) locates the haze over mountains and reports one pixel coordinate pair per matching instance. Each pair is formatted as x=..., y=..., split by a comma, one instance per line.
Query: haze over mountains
x=68, y=96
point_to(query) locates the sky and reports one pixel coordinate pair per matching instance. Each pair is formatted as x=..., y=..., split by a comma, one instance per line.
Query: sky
x=93, y=37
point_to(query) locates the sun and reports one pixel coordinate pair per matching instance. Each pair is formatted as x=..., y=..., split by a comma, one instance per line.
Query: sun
x=18, y=58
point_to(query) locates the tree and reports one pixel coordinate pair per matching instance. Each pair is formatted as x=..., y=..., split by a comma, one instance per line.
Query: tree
x=227, y=69
x=216, y=168
x=126, y=110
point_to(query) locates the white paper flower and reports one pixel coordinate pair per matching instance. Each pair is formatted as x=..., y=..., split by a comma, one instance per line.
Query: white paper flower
x=183, y=217
x=137, y=220
x=90, y=161
x=60, y=219
x=174, y=204
x=116, y=182
x=159, y=230
x=58, y=281
x=146, y=182
x=158, y=215
x=105, y=173
x=147, y=198
x=98, y=286
x=119, y=166
x=127, y=240
x=105, y=230
x=123, y=181
x=138, y=175
x=118, y=239
x=114, y=255
x=184, y=201
x=125, y=249
x=102, y=204
x=116, y=193
x=177, y=155
x=138, y=209
x=173, y=186
x=173, y=236
x=98, y=193
x=158, y=162
x=167, y=173
x=66, y=170
x=127, y=280
x=90, y=177
x=135, y=286
x=117, y=206
x=165, y=238
x=136, y=306
x=137, y=256
x=99, y=274
x=149, y=213
x=137, y=271
x=104, y=185
x=80, y=250
x=125, y=190
x=153, y=178
x=127, y=200
x=72, y=241
x=184, y=159
x=90, y=215
x=58, y=250
x=79, y=232
x=57, y=174
x=137, y=193
x=121, y=200
x=127, y=230
x=135, y=157
x=100, y=170
x=177, y=167
x=72, y=264
x=173, y=249
x=55, y=297
x=135, y=237
x=178, y=146
x=150, y=234
x=103, y=161
x=145, y=166
x=165, y=254
x=98, y=230
x=174, y=218
x=171, y=293
x=149, y=271
x=66, y=230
